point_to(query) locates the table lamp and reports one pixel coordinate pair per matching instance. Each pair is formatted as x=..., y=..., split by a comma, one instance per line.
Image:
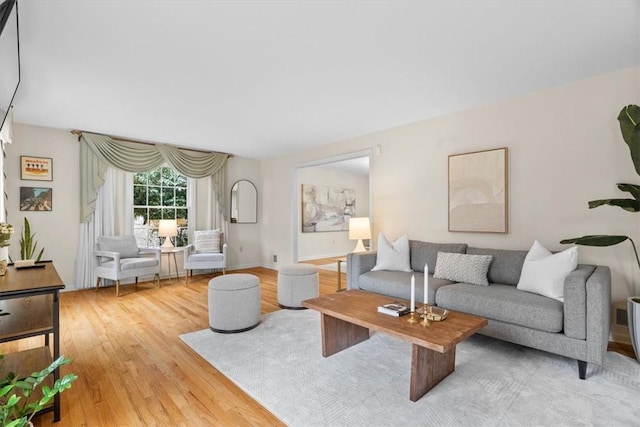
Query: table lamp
x=359, y=228
x=167, y=228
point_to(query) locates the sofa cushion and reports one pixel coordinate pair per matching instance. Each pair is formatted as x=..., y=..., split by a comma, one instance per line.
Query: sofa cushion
x=506, y=264
x=427, y=253
x=126, y=246
x=505, y=303
x=397, y=284
x=392, y=256
x=132, y=263
x=544, y=273
x=463, y=268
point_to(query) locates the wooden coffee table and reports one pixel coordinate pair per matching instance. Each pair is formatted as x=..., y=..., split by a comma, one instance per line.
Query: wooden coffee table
x=347, y=318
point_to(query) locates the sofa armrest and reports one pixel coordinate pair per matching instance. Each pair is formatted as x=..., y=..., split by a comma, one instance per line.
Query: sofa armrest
x=155, y=252
x=100, y=255
x=598, y=314
x=357, y=264
x=575, y=302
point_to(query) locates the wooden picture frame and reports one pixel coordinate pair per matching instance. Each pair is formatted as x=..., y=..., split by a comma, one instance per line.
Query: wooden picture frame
x=478, y=191
x=36, y=168
x=36, y=199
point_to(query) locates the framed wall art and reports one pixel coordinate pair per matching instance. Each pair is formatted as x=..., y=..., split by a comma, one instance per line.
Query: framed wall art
x=36, y=199
x=327, y=208
x=478, y=191
x=36, y=168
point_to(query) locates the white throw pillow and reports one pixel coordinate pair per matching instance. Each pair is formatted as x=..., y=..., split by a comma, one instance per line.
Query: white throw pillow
x=393, y=256
x=544, y=272
x=207, y=241
x=463, y=268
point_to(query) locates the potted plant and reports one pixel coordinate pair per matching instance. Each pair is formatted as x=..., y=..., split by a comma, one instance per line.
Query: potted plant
x=18, y=396
x=28, y=247
x=629, y=119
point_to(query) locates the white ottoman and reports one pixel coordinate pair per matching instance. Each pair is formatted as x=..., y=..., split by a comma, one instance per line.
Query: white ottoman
x=297, y=282
x=234, y=303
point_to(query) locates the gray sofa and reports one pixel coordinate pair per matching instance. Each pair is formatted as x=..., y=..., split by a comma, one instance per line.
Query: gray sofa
x=577, y=328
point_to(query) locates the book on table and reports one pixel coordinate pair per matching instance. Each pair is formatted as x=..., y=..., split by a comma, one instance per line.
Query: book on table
x=393, y=309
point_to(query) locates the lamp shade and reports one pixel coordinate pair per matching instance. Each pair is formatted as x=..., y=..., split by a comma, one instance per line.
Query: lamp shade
x=167, y=228
x=359, y=228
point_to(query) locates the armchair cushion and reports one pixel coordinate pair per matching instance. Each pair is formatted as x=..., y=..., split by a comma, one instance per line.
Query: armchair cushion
x=205, y=257
x=132, y=263
x=126, y=246
x=207, y=241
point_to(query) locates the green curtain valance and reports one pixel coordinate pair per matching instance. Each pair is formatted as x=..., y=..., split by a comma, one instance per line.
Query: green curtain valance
x=97, y=152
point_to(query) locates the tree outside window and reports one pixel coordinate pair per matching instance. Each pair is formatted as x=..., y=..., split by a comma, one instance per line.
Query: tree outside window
x=159, y=194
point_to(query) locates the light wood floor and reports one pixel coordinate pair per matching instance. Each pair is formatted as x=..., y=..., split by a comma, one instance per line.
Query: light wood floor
x=134, y=370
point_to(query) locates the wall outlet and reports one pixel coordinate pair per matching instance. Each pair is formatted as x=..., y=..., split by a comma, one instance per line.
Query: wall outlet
x=275, y=258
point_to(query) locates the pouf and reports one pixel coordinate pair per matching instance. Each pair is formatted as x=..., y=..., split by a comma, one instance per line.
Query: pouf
x=234, y=303
x=297, y=282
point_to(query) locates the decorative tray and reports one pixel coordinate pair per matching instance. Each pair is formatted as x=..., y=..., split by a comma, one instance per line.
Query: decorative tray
x=435, y=314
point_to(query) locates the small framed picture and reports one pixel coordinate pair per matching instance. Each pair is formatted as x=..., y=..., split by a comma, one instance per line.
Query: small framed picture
x=36, y=168
x=36, y=199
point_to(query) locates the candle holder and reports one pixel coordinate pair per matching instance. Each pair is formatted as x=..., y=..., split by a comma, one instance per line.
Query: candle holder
x=425, y=316
x=414, y=317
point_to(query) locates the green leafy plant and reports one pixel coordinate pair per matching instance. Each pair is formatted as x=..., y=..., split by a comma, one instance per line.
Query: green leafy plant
x=28, y=245
x=629, y=119
x=18, y=400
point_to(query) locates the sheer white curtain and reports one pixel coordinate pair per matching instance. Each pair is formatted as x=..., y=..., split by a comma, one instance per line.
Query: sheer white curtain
x=101, y=223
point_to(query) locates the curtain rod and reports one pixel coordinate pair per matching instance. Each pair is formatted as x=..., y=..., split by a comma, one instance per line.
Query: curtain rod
x=79, y=134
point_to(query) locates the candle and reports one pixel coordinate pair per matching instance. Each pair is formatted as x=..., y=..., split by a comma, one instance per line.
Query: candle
x=426, y=284
x=413, y=293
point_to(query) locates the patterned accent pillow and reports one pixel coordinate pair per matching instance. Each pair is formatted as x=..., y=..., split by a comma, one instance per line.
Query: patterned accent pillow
x=207, y=241
x=463, y=268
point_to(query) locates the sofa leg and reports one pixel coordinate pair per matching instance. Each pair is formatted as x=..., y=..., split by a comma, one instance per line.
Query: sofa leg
x=98, y=280
x=582, y=369
x=117, y=288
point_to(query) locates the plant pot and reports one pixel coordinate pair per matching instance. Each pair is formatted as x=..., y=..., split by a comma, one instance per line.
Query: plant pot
x=633, y=319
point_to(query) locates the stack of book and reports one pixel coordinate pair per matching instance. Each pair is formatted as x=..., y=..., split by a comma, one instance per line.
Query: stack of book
x=393, y=309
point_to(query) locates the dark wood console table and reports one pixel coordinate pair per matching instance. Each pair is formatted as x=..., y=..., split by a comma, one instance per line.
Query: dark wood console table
x=31, y=296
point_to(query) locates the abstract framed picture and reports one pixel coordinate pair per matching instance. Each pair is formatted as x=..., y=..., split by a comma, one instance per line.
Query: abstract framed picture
x=36, y=168
x=327, y=208
x=478, y=191
x=36, y=199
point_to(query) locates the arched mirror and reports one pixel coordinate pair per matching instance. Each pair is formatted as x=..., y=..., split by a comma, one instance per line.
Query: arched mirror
x=244, y=203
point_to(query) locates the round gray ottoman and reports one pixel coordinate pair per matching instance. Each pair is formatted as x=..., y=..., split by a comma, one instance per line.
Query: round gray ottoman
x=297, y=282
x=234, y=303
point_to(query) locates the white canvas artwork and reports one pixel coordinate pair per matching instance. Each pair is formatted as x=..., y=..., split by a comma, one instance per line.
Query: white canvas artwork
x=478, y=191
x=327, y=208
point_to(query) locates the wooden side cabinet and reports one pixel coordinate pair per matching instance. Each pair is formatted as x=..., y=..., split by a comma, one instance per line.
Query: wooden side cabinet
x=31, y=297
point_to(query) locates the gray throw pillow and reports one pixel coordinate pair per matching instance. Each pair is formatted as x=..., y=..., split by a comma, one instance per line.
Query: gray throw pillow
x=126, y=246
x=463, y=268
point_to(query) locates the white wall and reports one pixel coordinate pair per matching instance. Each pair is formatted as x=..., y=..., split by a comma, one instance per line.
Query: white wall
x=336, y=243
x=565, y=148
x=57, y=231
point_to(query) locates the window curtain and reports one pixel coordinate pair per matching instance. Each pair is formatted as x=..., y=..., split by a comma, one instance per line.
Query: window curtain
x=101, y=223
x=99, y=151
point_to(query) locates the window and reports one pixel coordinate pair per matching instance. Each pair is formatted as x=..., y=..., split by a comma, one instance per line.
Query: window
x=159, y=194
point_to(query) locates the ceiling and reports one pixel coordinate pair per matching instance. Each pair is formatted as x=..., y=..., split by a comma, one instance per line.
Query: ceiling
x=261, y=79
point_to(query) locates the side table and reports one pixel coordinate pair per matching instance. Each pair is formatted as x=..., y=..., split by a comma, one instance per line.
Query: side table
x=172, y=251
x=340, y=261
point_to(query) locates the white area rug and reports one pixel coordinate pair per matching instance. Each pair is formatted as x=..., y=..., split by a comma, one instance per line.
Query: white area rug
x=279, y=364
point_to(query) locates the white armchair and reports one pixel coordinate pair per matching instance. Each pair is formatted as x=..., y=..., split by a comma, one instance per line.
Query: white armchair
x=118, y=257
x=209, y=252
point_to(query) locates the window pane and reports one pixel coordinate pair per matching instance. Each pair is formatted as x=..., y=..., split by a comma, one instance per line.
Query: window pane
x=181, y=197
x=167, y=196
x=155, y=214
x=168, y=177
x=181, y=216
x=168, y=213
x=154, y=196
x=181, y=181
x=139, y=195
x=140, y=213
x=154, y=177
x=141, y=178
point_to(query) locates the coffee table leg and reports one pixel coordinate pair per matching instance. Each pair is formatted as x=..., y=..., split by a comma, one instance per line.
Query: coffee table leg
x=338, y=335
x=428, y=368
